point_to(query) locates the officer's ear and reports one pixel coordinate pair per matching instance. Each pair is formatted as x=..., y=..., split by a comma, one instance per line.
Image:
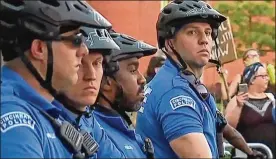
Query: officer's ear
x=106, y=84
x=38, y=50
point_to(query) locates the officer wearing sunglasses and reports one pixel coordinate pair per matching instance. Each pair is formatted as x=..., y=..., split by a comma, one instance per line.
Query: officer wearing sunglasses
x=43, y=50
x=178, y=113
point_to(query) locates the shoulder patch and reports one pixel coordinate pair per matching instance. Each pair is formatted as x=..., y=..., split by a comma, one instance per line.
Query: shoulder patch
x=15, y=119
x=181, y=101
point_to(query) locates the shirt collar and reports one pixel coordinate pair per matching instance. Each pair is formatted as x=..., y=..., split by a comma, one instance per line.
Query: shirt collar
x=23, y=90
x=114, y=120
x=102, y=109
x=170, y=67
x=70, y=116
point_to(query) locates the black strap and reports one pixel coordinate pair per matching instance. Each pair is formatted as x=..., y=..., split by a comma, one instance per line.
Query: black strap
x=105, y=98
x=123, y=114
x=178, y=66
x=63, y=99
x=31, y=68
x=116, y=107
x=182, y=65
x=115, y=104
x=216, y=62
x=47, y=84
x=50, y=62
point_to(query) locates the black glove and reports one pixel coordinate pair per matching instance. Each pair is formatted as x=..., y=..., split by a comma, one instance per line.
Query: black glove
x=256, y=155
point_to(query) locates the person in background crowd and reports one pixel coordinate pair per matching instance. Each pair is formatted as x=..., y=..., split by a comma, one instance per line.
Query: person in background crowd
x=251, y=112
x=234, y=138
x=154, y=65
x=250, y=56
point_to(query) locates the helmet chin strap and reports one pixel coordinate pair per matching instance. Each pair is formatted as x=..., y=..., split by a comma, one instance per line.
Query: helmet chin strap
x=116, y=104
x=219, y=67
x=216, y=62
x=182, y=65
x=72, y=106
x=179, y=58
x=47, y=83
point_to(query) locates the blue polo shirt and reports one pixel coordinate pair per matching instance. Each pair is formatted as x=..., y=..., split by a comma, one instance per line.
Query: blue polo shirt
x=107, y=147
x=88, y=122
x=26, y=133
x=125, y=138
x=171, y=109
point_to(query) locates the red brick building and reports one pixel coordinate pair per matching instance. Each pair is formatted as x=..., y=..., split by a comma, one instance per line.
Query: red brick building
x=135, y=18
x=138, y=19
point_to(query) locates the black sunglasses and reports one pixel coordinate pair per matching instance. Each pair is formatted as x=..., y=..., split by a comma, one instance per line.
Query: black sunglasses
x=201, y=89
x=76, y=40
x=262, y=76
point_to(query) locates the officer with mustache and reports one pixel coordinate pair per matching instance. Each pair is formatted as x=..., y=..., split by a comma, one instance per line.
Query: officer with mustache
x=122, y=91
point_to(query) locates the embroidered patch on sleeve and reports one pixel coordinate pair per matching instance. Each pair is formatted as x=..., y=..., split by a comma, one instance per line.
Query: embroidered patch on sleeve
x=181, y=101
x=15, y=119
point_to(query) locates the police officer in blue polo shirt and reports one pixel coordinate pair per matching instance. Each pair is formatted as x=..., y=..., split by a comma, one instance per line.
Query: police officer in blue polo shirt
x=178, y=113
x=43, y=48
x=122, y=91
x=80, y=96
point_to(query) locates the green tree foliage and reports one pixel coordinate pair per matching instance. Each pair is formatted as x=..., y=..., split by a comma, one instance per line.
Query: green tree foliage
x=246, y=31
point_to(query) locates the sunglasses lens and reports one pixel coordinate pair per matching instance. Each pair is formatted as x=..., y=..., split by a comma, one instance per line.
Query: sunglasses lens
x=202, y=90
x=187, y=72
x=78, y=40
